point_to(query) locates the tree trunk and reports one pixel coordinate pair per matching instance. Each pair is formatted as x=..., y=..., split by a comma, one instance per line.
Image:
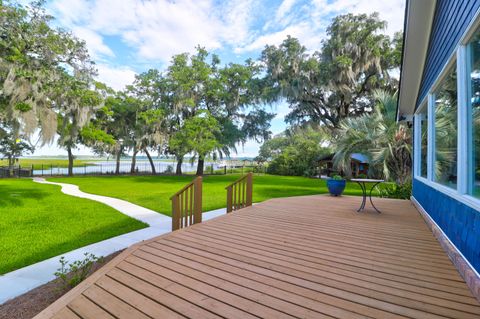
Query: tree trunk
x=11, y=161
x=200, y=165
x=179, y=165
x=134, y=159
x=70, y=161
x=152, y=164
x=119, y=155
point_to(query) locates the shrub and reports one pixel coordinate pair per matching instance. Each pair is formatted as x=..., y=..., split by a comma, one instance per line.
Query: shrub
x=169, y=169
x=74, y=273
x=402, y=191
x=337, y=178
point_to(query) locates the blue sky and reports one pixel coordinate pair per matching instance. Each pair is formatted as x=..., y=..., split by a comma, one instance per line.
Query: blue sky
x=126, y=37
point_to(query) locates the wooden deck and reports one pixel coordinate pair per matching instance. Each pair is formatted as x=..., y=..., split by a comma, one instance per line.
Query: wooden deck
x=301, y=257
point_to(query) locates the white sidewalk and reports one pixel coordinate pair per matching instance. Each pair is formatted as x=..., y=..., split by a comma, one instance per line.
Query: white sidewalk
x=25, y=279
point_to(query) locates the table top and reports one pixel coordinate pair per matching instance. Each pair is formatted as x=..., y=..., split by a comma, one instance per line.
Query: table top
x=367, y=180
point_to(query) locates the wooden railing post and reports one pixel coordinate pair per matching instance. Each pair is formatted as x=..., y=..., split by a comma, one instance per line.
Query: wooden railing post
x=249, y=198
x=229, y=199
x=197, y=200
x=176, y=215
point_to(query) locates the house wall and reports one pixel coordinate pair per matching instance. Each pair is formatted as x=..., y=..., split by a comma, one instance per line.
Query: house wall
x=449, y=208
x=460, y=222
x=451, y=20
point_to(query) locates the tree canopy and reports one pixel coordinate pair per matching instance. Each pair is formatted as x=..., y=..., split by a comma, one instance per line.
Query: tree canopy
x=337, y=81
x=197, y=106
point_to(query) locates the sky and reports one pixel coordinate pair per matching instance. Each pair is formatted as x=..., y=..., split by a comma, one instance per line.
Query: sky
x=127, y=37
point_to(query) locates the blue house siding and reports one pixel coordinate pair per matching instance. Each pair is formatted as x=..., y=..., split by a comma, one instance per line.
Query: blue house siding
x=459, y=222
x=451, y=21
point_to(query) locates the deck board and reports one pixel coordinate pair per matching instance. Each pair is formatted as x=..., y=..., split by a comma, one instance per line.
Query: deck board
x=299, y=257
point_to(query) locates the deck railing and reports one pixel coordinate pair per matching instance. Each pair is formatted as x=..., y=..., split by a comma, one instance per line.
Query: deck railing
x=187, y=205
x=239, y=193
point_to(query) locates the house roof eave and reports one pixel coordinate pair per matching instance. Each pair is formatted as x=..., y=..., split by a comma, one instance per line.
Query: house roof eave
x=418, y=22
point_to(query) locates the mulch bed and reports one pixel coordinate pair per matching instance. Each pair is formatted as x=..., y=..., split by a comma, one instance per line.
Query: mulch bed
x=33, y=302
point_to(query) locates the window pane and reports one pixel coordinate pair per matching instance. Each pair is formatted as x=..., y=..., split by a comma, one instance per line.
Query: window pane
x=423, y=151
x=475, y=111
x=446, y=130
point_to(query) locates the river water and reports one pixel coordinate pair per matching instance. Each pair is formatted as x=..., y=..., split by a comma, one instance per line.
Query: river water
x=108, y=167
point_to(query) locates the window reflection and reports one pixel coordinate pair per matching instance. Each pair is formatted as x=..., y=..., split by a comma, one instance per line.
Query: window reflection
x=474, y=149
x=446, y=130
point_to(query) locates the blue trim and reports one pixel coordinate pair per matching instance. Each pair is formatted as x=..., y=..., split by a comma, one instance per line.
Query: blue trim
x=461, y=223
x=451, y=20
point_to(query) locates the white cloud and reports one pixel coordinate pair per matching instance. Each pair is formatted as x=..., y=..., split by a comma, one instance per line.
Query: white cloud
x=391, y=11
x=237, y=17
x=158, y=29
x=284, y=8
x=115, y=77
x=303, y=31
x=96, y=47
x=311, y=26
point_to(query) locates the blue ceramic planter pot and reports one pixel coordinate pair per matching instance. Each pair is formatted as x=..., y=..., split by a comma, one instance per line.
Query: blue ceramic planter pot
x=336, y=187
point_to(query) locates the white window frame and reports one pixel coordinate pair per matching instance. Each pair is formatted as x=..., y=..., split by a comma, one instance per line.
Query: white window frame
x=463, y=120
x=465, y=164
x=417, y=140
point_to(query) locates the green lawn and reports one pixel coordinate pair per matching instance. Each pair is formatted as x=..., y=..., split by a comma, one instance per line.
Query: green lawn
x=37, y=163
x=37, y=222
x=154, y=191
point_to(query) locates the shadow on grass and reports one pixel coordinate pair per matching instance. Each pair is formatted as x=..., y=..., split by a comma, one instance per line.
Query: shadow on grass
x=63, y=244
x=11, y=195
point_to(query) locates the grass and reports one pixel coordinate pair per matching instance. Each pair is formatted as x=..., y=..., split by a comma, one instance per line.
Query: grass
x=154, y=192
x=37, y=163
x=37, y=222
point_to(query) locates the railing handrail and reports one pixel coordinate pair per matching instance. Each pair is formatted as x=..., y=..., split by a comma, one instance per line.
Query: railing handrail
x=187, y=205
x=240, y=193
x=239, y=180
x=185, y=187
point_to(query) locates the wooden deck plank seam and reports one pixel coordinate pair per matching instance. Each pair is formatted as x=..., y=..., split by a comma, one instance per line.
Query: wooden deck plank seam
x=371, y=254
x=368, y=292
x=454, y=305
x=467, y=292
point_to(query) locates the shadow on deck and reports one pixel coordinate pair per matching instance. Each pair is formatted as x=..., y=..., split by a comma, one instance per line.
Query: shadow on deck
x=298, y=257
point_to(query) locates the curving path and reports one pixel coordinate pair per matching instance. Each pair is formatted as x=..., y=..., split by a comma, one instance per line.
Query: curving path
x=152, y=218
x=25, y=279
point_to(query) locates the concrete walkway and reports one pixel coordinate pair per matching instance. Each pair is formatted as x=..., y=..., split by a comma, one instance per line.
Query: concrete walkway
x=25, y=279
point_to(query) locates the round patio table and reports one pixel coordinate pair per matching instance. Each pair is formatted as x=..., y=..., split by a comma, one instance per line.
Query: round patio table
x=363, y=185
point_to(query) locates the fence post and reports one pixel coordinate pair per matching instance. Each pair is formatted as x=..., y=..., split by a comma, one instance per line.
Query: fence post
x=225, y=169
x=85, y=169
x=51, y=169
x=197, y=201
x=42, y=169
x=249, y=198
x=175, y=213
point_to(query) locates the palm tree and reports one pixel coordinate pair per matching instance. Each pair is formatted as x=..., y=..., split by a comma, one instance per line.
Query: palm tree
x=378, y=135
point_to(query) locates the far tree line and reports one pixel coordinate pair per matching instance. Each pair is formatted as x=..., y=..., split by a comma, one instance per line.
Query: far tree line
x=196, y=107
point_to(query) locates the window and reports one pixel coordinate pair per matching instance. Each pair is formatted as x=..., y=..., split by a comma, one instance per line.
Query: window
x=474, y=115
x=445, y=109
x=423, y=142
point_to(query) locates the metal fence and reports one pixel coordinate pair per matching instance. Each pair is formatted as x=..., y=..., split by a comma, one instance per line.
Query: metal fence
x=109, y=168
x=15, y=171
